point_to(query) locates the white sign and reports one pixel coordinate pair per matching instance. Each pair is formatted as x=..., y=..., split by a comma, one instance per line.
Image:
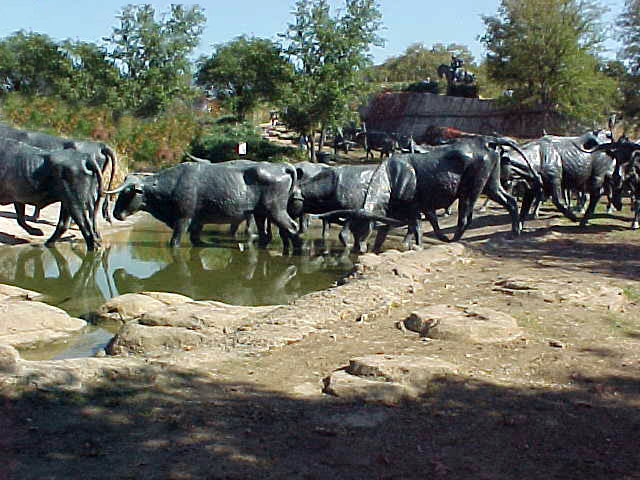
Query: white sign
x=242, y=148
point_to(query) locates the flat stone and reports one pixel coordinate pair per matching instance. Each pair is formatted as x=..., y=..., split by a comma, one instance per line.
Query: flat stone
x=412, y=370
x=387, y=379
x=351, y=387
x=134, y=338
x=11, y=291
x=127, y=307
x=168, y=298
x=26, y=323
x=475, y=324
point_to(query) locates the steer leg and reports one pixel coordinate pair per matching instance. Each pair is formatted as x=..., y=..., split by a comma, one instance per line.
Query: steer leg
x=433, y=219
x=180, y=226
x=636, y=209
x=36, y=213
x=264, y=230
x=22, y=221
x=558, y=199
x=63, y=225
x=344, y=233
x=593, y=201
x=86, y=226
x=195, y=229
x=465, y=215
x=507, y=201
x=527, y=200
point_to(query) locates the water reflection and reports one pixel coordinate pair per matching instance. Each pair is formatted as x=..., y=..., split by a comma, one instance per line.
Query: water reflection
x=136, y=260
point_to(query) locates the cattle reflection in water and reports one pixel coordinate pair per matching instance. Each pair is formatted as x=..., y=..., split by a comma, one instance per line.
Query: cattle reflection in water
x=79, y=282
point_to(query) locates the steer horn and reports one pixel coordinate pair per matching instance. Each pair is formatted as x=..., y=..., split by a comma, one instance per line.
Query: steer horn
x=512, y=144
x=128, y=180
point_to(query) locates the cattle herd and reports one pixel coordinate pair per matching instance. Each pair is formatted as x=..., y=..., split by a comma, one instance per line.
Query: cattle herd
x=39, y=169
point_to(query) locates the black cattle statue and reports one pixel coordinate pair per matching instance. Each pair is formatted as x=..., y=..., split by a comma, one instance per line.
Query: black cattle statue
x=29, y=175
x=625, y=178
x=192, y=194
x=411, y=184
x=382, y=142
x=327, y=189
x=629, y=182
x=569, y=164
x=103, y=154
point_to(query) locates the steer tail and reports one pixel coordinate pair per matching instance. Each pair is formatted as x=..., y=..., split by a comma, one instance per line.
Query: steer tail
x=93, y=165
x=534, y=174
x=358, y=214
x=293, y=173
x=110, y=154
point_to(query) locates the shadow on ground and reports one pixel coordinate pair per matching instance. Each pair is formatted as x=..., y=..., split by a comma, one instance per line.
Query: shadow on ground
x=187, y=426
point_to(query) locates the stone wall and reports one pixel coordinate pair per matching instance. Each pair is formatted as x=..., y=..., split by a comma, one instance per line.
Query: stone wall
x=412, y=113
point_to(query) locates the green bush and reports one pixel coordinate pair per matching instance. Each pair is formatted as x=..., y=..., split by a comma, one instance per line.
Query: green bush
x=219, y=143
x=423, y=86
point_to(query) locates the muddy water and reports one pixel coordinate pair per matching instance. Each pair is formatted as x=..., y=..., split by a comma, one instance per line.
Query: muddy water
x=231, y=270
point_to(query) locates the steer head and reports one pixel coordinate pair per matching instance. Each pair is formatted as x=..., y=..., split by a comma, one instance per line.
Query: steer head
x=130, y=197
x=626, y=178
x=627, y=157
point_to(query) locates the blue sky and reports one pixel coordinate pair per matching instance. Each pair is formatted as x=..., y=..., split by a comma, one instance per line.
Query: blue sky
x=405, y=21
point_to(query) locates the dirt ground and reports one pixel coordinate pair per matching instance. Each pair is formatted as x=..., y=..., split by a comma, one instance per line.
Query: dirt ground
x=562, y=401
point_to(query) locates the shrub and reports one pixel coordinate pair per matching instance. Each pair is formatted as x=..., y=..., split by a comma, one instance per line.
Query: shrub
x=423, y=86
x=219, y=143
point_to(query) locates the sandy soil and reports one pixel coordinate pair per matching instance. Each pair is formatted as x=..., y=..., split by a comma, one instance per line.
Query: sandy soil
x=559, y=402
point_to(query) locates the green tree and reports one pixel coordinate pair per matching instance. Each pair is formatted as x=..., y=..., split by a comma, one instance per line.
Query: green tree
x=152, y=55
x=546, y=52
x=244, y=72
x=328, y=54
x=418, y=62
x=629, y=54
x=33, y=64
x=93, y=79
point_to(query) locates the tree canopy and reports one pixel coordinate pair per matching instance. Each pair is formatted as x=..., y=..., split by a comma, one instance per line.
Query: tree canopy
x=153, y=55
x=328, y=54
x=244, y=72
x=629, y=55
x=546, y=52
x=418, y=62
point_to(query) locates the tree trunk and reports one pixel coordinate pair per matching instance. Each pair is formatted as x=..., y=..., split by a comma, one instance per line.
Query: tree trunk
x=323, y=138
x=311, y=146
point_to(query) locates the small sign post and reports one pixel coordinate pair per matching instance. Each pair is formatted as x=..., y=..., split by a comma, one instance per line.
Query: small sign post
x=242, y=148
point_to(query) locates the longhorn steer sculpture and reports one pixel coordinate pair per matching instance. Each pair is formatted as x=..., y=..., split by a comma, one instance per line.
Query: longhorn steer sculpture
x=569, y=163
x=192, y=194
x=29, y=175
x=103, y=154
x=413, y=183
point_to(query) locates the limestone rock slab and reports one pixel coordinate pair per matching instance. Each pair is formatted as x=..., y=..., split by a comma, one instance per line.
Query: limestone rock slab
x=25, y=323
x=134, y=338
x=387, y=379
x=474, y=324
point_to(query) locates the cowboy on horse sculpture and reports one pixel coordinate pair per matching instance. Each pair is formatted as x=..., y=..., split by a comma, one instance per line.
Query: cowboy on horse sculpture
x=454, y=73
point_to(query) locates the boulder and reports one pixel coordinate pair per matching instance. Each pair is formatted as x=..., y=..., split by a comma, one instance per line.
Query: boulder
x=134, y=338
x=9, y=360
x=16, y=292
x=353, y=388
x=198, y=315
x=27, y=324
x=412, y=370
x=127, y=307
x=387, y=379
x=473, y=324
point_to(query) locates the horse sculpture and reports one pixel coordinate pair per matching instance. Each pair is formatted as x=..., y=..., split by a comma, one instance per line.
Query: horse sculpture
x=460, y=82
x=454, y=73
